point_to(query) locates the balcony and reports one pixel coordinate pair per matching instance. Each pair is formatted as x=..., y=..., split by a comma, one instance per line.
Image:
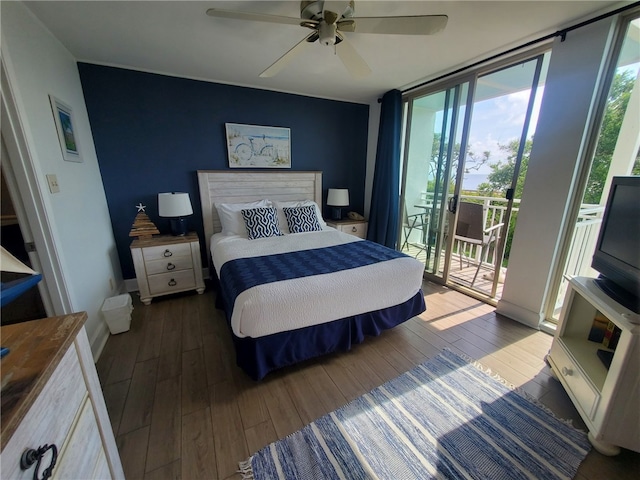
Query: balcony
x=465, y=257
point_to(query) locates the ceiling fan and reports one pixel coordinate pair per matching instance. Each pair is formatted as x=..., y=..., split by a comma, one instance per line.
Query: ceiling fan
x=328, y=20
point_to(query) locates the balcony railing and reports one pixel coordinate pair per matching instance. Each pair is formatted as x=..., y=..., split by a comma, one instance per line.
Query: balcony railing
x=580, y=250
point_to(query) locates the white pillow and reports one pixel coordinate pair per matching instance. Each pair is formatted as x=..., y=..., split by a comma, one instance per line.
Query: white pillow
x=282, y=219
x=231, y=218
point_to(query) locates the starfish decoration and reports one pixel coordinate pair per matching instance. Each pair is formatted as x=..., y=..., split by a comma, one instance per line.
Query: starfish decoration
x=140, y=207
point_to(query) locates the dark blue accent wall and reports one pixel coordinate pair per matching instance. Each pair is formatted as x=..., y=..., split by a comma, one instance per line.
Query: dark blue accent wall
x=153, y=132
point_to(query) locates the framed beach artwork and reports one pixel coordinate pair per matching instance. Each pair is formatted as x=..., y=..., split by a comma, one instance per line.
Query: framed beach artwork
x=63, y=117
x=254, y=146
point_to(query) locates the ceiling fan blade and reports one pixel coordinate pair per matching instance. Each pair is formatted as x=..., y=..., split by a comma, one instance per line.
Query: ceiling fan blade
x=332, y=10
x=413, y=25
x=351, y=58
x=285, y=59
x=257, y=17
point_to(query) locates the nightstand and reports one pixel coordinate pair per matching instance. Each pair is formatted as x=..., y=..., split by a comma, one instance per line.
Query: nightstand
x=357, y=228
x=167, y=264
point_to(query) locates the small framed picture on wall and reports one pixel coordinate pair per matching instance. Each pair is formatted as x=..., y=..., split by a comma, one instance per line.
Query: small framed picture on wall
x=65, y=127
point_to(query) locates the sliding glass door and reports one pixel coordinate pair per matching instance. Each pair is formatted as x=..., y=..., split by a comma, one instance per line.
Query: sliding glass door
x=432, y=156
x=465, y=157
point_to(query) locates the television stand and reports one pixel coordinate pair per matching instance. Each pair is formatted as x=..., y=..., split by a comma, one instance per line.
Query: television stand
x=618, y=295
x=606, y=399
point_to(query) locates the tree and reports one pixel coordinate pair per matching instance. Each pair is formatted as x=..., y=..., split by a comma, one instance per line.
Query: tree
x=617, y=101
x=499, y=180
x=472, y=162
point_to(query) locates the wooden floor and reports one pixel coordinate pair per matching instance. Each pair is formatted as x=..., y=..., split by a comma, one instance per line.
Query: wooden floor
x=180, y=408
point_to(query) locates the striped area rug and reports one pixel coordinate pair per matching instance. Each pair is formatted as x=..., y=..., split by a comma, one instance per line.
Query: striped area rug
x=446, y=418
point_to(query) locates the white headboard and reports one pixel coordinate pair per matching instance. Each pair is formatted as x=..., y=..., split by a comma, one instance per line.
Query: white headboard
x=225, y=186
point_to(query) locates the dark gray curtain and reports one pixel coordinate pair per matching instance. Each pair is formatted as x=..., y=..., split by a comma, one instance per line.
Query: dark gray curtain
x=385, y=195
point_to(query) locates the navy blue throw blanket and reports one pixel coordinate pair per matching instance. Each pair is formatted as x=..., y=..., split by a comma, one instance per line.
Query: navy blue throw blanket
x=240, y=274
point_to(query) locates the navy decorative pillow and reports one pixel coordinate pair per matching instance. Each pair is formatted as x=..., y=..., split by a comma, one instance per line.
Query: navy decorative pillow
x=302, y=219
x=261, y=223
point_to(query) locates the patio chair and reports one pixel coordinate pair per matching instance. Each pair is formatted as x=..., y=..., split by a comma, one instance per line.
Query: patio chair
x=416, y=221
x=471, y=230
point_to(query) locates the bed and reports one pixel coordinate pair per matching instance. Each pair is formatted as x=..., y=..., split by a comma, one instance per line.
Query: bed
x=291, y=297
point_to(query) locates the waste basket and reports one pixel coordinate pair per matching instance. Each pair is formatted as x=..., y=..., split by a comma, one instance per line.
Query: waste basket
x=117, y=313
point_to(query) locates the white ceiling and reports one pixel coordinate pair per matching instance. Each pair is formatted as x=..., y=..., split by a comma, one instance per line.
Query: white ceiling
x=178, y=38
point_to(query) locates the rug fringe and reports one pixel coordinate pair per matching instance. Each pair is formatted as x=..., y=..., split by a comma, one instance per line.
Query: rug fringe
x=246, y=471
x=512, y=387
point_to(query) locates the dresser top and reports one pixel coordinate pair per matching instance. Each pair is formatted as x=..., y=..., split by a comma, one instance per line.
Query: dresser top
x=159, y=240
x=35, y=349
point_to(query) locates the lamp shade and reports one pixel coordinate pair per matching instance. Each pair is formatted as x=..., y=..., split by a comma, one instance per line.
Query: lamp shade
x=338, y=197
x=174, y=204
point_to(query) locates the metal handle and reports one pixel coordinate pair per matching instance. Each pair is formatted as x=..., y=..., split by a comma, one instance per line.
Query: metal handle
x=453, y=204
x=567, y=372
x=170, y=266
x=172, y=283
x=354, y=229
x=167, y=253
x=31, y=456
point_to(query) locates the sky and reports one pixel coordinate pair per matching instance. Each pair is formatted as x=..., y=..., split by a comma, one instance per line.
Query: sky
x=498, y=121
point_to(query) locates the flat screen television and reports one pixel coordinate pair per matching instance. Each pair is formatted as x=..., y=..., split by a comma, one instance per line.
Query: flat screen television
x=617, y=252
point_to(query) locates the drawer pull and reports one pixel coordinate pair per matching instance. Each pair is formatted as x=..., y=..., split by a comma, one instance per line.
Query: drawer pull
x=354, y=229
x=167, y=253
x=31, y=456
x=567, y=372
x=172, y=283
x=170, y=266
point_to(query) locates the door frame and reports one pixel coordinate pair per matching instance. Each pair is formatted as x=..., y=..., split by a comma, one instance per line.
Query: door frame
x=22, y=180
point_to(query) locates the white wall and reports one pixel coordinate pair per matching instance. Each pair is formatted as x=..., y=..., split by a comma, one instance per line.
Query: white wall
x=575, y=75
x=38, y=65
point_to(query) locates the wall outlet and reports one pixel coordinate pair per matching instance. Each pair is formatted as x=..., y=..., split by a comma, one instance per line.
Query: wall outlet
x=52, y=180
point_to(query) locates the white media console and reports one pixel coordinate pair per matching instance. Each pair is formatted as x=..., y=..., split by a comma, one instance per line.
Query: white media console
x=608, y=399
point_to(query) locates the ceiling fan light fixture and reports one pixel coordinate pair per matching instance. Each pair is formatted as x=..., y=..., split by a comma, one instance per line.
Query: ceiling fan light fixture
x=327, y=33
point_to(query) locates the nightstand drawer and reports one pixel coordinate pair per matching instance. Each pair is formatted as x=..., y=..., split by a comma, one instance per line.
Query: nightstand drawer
x=571, y=375
x=171, y=282
x=166, y=265
x=163, y=252
x=355, y=229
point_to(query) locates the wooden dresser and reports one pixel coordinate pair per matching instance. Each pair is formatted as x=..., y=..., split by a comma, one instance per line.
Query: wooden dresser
x=51, y=396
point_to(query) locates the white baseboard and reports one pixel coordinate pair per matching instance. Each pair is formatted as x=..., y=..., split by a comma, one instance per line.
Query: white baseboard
x=519, y=314
x=99, y=340
x=131, y=285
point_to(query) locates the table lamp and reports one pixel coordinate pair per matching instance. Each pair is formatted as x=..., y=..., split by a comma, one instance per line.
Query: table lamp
x=337, y=198
x=175, y=206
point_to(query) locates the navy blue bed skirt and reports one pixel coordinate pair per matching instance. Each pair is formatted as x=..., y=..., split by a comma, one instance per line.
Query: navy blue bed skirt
x=259, y=356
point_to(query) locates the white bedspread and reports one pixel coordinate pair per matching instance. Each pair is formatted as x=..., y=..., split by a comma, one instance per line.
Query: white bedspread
x=301, y=302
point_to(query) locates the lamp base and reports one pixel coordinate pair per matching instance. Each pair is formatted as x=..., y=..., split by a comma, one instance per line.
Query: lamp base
x=336, y=213
x=178, y=226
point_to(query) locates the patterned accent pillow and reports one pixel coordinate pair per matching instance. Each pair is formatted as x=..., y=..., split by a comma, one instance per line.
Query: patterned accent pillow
x=261, y=223
x=302, y=219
